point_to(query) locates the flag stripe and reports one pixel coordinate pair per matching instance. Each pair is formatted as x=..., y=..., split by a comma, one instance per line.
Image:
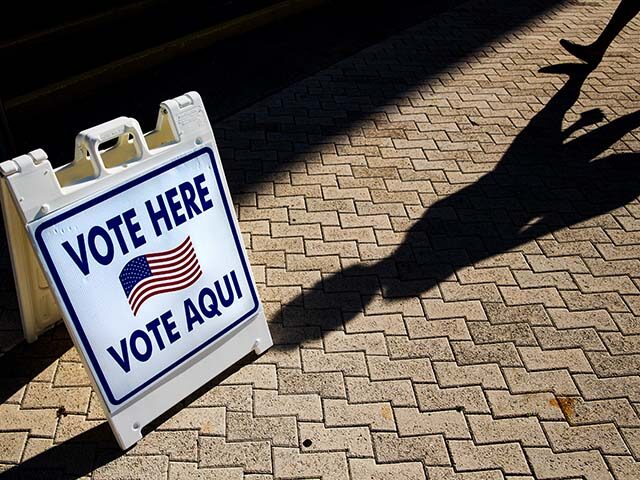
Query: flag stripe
x=151, y=282
x=171, y=267
x=158, y=269
x=169, y=252
x=190, y=282
x=169, y=257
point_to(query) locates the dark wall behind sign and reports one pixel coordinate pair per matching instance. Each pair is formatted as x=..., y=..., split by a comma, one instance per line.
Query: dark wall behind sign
x=229, y=74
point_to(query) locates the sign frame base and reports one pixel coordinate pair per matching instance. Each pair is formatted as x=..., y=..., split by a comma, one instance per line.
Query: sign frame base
x=252, y=336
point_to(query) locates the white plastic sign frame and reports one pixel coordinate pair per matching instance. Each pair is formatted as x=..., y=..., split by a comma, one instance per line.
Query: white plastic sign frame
x=161, y=265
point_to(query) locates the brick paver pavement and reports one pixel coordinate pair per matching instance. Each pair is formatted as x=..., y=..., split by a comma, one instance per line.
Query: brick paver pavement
x=447, y=244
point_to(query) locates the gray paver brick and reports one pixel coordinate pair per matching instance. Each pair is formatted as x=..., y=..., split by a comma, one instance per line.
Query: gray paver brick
x=356, y=441
x=250, y=456
x=508, y=457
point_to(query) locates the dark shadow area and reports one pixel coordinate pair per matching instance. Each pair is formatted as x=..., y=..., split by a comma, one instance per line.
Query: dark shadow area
x=542, y=184
x=63, y=40
x=229, y=75
x=25, y=362
x=74, y=458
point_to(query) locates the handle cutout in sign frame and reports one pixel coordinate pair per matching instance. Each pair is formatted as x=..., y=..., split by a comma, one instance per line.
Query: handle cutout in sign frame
x=135, y=244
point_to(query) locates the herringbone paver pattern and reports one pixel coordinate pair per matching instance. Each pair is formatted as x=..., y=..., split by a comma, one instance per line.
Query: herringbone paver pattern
x=447, y=245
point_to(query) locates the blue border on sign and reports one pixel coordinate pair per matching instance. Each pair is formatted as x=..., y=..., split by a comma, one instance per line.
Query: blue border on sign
x=69, y=306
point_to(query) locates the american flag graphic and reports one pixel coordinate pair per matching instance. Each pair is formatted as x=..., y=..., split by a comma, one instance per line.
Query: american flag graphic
x=154, y=273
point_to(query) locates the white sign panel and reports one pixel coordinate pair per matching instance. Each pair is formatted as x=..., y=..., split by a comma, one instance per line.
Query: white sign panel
x=149, y=273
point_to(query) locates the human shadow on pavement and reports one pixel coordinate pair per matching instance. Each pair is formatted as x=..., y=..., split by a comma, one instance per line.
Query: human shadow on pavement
x=593, y=52
x=543, y=183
